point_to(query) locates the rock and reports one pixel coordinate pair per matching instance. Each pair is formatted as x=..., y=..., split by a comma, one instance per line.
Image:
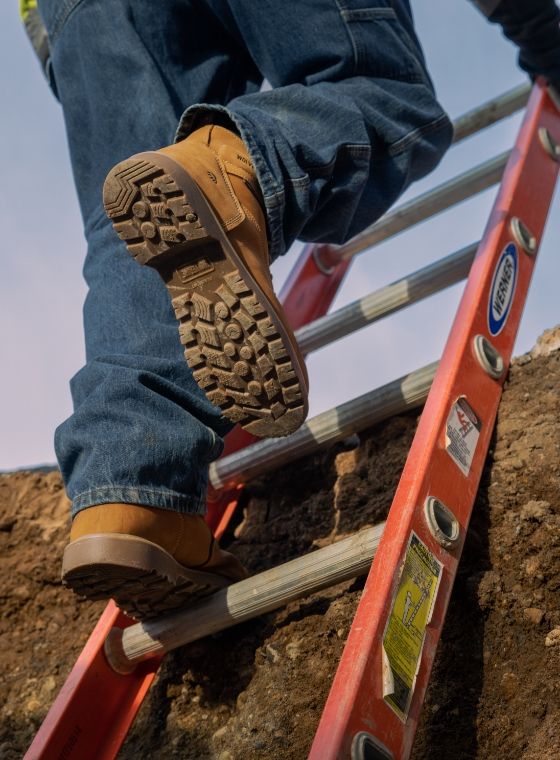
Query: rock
x=293, y=649
x=48, y=686
x=22, y=593
x=510, y=685
x=535, y=510
x=489, y=587
x=553, y=638
x=533, y=568
x=548, y=342
x=32, y=705
x=219, y=734
x=271, y=653
x=533, y=615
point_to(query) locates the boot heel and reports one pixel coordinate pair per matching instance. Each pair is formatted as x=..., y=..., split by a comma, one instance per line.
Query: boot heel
x=149, y=211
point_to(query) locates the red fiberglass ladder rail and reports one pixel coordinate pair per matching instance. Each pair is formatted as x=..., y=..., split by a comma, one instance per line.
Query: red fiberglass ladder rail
x=375, y=700
x=96, y=706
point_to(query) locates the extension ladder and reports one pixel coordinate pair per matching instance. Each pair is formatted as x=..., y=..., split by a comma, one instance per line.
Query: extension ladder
x=375, y=700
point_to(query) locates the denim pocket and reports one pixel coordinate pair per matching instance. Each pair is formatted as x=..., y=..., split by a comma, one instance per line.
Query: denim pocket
x=382, y=45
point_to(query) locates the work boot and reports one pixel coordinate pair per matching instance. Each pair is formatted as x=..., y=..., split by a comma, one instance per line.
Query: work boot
x=194, y=212
x=150, y=561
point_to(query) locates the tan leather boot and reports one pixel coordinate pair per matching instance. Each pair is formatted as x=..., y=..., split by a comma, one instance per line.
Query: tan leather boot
x=150, y=561
x=194, y=212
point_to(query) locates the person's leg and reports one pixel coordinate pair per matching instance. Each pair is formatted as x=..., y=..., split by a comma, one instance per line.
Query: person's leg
x=351, y=120
x=142, y=432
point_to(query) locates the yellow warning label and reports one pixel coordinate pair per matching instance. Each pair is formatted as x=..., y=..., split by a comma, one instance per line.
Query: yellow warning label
x=406, y=627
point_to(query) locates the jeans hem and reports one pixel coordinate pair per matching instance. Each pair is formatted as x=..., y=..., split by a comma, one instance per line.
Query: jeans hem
x=145, y=497
x=200, y=114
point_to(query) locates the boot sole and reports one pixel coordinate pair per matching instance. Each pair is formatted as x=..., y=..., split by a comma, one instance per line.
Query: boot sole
x=242, y=355
x=143, y=579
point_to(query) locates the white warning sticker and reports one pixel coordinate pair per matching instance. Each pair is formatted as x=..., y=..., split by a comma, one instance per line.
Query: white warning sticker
x=461, y=434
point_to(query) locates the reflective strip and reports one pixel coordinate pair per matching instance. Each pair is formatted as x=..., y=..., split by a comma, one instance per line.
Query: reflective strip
x=35, y=30
x=25, y=6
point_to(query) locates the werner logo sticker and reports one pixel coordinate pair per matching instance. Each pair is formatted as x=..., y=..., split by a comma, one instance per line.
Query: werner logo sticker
x=502, y=290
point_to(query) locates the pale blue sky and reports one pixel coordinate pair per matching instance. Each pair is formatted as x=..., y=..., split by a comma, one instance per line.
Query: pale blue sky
x=42, y=246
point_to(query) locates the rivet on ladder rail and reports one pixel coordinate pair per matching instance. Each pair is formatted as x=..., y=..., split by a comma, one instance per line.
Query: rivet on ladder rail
x=523, y=236
x=554, y=95
x=442, y=523
x=367, y=747
x=488, y=357
x=549, y=143
x=114, y=653
x=327, y=269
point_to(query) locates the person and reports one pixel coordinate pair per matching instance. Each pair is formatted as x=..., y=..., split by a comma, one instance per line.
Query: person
x=350, y=120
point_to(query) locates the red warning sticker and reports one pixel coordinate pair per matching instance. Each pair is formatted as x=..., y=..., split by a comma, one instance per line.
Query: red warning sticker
x=461, y=434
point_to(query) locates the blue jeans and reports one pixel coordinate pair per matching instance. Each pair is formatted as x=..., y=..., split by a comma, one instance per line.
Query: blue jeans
x=350, y=122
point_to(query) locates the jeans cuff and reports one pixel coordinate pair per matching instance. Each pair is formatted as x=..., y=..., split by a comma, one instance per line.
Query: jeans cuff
x=200, y=114
x=145, y=497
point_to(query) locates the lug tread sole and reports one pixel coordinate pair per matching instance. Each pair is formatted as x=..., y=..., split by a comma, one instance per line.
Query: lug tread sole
x=144, y=581
x=240, y=355
x=142, y=595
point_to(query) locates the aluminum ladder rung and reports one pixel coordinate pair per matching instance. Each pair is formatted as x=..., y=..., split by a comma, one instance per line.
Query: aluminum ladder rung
x=269, y=590
x=387, y=300
x=491, y=112
x=398, y=396
x=424, y=206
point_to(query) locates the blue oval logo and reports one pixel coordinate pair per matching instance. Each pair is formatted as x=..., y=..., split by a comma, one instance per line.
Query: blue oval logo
x=503, y=289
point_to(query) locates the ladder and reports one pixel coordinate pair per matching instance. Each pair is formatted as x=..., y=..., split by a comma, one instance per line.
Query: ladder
x=373, y=707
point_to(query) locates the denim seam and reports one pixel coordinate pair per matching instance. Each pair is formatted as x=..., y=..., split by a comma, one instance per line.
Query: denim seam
x=350, y=36
x=62, y=17
x=361, y=151
x=368, y=14
x=350, y=16
x=400, y=145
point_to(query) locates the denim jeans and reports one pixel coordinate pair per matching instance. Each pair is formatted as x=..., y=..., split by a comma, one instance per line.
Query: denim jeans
x=351, y=120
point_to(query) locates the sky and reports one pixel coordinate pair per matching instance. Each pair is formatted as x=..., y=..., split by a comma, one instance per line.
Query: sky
x=42, y=245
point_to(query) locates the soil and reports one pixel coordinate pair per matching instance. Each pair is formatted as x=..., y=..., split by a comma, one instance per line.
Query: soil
x=256, y=692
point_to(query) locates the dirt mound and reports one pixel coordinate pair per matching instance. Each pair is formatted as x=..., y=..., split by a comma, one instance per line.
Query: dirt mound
x=257, y=691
